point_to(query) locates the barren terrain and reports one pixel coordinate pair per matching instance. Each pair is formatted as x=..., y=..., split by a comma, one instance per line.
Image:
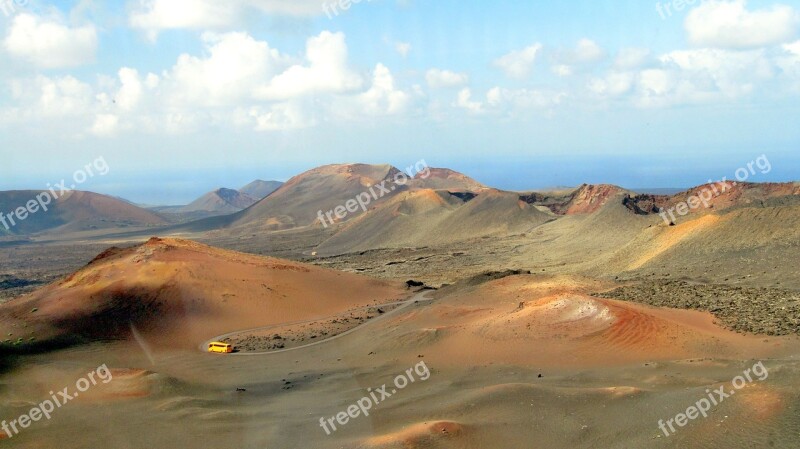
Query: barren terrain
x=568, y=319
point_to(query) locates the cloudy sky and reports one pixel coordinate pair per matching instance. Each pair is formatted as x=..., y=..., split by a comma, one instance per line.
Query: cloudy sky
x=182, y=96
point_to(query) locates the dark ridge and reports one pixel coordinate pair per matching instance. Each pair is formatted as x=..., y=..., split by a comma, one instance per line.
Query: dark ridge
x=644, y=204
x=557, y=204
x=479, y=279
x=13, y=282
x=464, y=196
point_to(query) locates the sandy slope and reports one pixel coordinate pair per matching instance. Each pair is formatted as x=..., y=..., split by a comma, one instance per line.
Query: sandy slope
x=75, y=211
x=181, y=293
x=552, y=321
x=515, y=362
x=434, y=217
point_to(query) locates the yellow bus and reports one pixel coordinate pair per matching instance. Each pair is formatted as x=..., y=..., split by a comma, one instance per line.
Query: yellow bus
x=218, y=346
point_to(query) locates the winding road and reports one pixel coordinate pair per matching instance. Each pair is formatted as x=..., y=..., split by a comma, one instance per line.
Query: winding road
x=417, y=298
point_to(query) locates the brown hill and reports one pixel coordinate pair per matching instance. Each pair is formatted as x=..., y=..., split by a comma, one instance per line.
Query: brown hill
x=430, y=217
x=298, y=201
x=75, y=211
x=446, y=179
x=590, y=198
x=729, y=195
x=221, y=201
x=259, y=189
x=586, y=199
x=179, y=293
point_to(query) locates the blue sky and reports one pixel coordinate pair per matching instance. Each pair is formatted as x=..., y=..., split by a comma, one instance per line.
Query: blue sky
x=183, y=96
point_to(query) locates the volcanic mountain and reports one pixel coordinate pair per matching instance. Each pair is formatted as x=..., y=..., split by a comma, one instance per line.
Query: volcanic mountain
x=584, y=225
x=421, y=216
x=178, y=294
x=429, y=217
x=446, y=179
x=297, y=202
x=220, y=201
x=75, y=211
x=259, y=189
x=721, y=196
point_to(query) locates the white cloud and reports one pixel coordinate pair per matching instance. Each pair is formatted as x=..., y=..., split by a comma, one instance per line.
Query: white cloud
x=518, y=100
x=701, y=76
x=105, y=125
x=789, y=64
x=437, y=78
x=631, y=58
x=613, y=84
x=383, y=98
x=278, y=117
x=403, y=48
x=518, y=64
x=729, y=73
x=793, y=48
x=235, y=81
x=48, y=43
x=510, y=102
x=130, y=94
x=326, y=71
x=296, y=8
x=235, y=66
x=585, y=53
x=562, y=70
x=704, y=76
x=464, y=101
x=656, y=82
x=153, y=16
x=45, y=97
x=724, y=24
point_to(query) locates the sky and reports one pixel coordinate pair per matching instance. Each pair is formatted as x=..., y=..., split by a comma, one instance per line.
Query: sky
x=180, y=97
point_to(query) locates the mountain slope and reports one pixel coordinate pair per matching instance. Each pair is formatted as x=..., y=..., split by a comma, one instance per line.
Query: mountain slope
x=222, y=201
x=179, y=293
x=428, y=217
x=299, y=200
x=75, y=211
x=446, y=179
x=259, y=189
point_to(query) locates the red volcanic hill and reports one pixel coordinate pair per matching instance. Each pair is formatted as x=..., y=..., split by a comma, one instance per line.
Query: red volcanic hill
x=76, y=211
x=721, y=196
x=446, y=179
x=586, y=199
x=590, y=198
x=179, y=293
